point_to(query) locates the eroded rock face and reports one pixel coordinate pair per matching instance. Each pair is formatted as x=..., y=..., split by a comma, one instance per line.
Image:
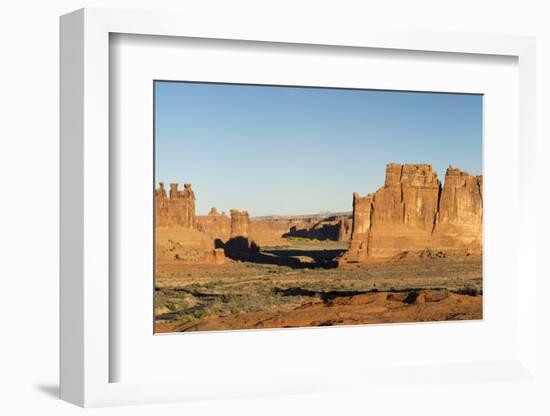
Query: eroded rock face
x=459, y=226
x=178, y=244
x=177, y=209
x=240, y=246
x=409, y=196
x=412, y=212
x=240, y=224
x=267, y=232
x=404, y=209
x=216, y=225
x=461, y=201
x=361, y=226
x=345, y=225
x=179, y=237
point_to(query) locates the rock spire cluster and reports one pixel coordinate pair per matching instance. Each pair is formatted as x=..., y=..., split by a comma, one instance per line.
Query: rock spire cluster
x=412, y=211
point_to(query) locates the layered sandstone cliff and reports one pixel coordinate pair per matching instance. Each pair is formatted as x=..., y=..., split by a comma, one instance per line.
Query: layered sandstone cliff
x=345, y=226
x=216, y=225
x=240, y=224
x=178, y=236
x=412, y=212
x=360, y=232
x=177, y=209
x=460, y=218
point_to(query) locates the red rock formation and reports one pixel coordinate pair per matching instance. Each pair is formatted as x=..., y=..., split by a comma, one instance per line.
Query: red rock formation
x=177, y=210
x=345, y=226
x=362, y=215
x=405, y=210
x=269, y=232
x=240, y=246
x=176, y=244
x=459, y=225
x=411, y=212
x=179, y=238
x=216, y=225
x=240, y=224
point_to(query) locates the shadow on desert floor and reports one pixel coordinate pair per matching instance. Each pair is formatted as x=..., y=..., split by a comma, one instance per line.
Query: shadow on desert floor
x=242, y=249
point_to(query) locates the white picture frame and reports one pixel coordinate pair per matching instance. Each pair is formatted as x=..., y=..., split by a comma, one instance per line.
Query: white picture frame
x=86, y=356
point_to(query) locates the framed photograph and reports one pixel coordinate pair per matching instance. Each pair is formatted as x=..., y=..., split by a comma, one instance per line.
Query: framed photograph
x=305, y=253
x=265, y=211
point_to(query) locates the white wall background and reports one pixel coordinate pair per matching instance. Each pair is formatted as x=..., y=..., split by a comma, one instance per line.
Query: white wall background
x=29, y=202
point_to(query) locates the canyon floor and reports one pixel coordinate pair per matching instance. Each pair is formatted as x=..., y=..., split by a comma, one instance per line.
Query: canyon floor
x=298, y=285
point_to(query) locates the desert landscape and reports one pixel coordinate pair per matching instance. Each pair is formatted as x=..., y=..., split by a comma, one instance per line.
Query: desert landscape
x=410, y=251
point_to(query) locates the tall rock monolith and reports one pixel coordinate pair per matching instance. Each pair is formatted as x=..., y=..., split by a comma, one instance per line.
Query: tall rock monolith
x=412, y=212
x=240, y=224
x=405, y=209
x=177, y=209
x=460, y=221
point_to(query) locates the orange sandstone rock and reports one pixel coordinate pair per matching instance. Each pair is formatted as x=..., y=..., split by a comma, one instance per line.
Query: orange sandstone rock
x=177, y=209
x=411, y=212
x=460, y=222
x=216, y=225
x=240, y=224
x=404, y=210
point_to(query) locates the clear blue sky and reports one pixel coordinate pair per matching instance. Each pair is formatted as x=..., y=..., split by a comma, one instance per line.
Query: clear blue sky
x=284, y=150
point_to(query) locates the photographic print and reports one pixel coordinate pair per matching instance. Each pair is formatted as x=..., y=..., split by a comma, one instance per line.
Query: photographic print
x=288, y=207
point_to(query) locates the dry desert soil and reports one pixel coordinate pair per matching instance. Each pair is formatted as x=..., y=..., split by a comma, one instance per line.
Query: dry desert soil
x=302, y=288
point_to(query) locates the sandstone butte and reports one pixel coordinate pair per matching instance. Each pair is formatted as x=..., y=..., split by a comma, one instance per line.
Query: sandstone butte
x=178, y=209
x=411, y=212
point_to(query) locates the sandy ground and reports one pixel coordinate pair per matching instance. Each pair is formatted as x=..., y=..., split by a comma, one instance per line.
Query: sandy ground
x=307, y=292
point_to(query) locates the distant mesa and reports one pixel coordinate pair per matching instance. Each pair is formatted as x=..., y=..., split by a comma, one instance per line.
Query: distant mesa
x=331, y=227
